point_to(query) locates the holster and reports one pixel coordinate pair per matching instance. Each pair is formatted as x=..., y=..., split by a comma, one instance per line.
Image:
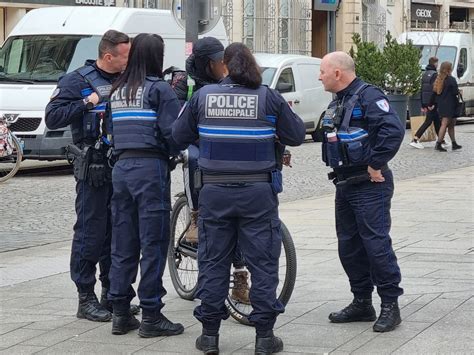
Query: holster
x=80, y=159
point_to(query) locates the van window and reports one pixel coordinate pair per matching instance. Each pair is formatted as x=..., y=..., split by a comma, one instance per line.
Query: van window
x=287, y=77
x=462, y=65
x=444, y=54
x=45, y=58
x=309, y=74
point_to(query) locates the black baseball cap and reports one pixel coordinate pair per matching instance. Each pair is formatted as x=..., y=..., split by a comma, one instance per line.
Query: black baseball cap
x=209, y=47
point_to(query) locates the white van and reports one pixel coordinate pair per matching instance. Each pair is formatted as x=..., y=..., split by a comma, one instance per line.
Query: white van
x=49, y=42
x=296, y=77
x=454, y=47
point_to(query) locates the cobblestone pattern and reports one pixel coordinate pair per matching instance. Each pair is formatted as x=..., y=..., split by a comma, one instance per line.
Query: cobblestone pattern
x=38, y=210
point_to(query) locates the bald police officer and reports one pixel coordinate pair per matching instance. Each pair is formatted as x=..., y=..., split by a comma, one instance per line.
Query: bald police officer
x=363, y=133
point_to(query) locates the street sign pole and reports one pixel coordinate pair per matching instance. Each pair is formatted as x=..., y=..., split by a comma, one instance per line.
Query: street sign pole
x=191, y=16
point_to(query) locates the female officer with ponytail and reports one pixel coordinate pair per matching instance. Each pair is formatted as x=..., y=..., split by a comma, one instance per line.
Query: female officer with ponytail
x=237, y=122
x=143, y=107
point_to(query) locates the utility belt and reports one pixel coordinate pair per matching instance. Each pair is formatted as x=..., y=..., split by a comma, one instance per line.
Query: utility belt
x=354, y=176
x=143, y=153
x=275, y=178
x=91, y=162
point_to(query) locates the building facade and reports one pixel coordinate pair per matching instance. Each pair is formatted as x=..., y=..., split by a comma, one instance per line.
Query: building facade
x=310, y=27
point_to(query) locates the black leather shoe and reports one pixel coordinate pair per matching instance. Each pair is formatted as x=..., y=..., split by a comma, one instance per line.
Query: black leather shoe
x=359, y=310
x=158, y=325
x=208, y=344
x=90, y=308
x=268, y=345
x=456, y=146
x=389, y=318
x=123, y=322
x=134, y=308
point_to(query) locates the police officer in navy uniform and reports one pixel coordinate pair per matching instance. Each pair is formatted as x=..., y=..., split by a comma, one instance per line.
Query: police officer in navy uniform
x=237, y=123
x=79, y=101
x=204, y=67
x=143, y=107
x=363, y=133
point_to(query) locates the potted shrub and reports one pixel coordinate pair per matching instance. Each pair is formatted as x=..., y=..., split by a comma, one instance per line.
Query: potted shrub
x=395, y=69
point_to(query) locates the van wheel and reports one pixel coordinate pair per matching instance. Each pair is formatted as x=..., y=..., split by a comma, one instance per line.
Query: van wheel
x=317, y=134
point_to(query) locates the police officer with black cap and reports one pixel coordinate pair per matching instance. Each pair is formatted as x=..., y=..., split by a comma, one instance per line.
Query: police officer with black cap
x=363, y=133
x=79, y=101
x=238, y=123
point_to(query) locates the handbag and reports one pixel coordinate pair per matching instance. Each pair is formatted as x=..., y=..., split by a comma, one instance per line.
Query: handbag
x=460, y=105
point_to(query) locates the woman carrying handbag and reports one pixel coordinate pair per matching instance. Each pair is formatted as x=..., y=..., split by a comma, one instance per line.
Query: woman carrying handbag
x=446, y=96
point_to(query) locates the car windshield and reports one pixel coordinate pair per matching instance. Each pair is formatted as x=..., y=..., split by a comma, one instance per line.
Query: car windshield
x=44, y=58
x=443, y=53
x=267, y=75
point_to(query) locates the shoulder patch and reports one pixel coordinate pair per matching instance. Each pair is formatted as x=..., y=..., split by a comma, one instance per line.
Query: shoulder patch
x=383, y=105
x=55, y=93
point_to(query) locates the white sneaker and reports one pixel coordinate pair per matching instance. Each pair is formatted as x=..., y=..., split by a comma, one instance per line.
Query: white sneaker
x=416, y=144
x=446, y=144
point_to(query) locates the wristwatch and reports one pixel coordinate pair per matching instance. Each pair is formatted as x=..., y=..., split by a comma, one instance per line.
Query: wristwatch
x=89, y=104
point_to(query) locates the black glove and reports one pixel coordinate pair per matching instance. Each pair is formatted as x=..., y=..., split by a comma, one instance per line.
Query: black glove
x=97, y=175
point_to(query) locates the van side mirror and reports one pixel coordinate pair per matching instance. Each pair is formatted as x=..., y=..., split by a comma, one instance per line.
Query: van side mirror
x=282, y=87
x=460, y=70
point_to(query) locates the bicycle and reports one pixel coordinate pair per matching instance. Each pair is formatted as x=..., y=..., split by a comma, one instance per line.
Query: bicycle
x=182, y=262
x=11, y=151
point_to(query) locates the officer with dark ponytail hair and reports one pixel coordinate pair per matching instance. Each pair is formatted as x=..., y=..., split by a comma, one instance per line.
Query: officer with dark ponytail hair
x=143, y=107
x=238, y=123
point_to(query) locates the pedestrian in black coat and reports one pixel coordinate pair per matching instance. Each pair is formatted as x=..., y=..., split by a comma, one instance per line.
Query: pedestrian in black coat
x=445, y=91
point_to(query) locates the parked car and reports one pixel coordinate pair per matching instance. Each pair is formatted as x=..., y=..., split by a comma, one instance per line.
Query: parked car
x=296, y=77
x=50, y=42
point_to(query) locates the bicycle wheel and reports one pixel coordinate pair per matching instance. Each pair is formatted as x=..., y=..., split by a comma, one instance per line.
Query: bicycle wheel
x=182, y=256
x=287, y=275
x=10, y=164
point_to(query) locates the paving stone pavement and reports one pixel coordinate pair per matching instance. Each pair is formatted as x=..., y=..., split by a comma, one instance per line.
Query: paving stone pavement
x=432, y=233
x=42, y=207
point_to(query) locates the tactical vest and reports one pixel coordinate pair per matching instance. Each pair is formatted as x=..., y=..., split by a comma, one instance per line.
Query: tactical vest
x=135, y=125
x=348, y=144
x=89, y=129
x=235, y=133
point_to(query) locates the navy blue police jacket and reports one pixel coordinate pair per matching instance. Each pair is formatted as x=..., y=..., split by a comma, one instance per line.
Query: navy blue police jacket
x=373, y=113
x=145, y=122
x=226, y=143
x=66, y=106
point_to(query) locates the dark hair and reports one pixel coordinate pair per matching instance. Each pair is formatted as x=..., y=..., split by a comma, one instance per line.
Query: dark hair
x=243, y=69
x=444, y=71
x=433, y=61
x=145, y=58
x=110, y=40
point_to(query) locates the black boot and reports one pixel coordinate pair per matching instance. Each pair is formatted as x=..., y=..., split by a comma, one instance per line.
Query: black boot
x=456, y=146
x=90, y=308
x=104, y=301
x=389, y=318
x=208, y=344
x=360, y=310
x=268, y=344
x=439, y=147
x=155, y=325
x=123, y=322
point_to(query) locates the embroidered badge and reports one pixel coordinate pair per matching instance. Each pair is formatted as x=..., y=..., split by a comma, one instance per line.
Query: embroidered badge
x=55, y=93
x=383, y=105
